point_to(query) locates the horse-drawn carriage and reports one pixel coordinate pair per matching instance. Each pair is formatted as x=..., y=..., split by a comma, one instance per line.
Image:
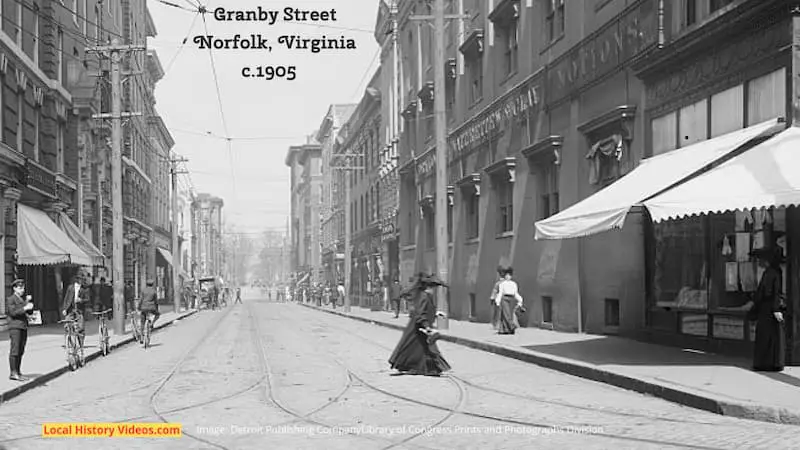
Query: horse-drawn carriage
x=209, y=292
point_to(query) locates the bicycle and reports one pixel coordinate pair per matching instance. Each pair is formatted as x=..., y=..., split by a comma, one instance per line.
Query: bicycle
x=148, y=330
x=133, y=316
x=105, y=340
x=72, y=344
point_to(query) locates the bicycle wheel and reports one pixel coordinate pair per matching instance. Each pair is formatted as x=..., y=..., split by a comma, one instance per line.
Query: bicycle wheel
x=72, y=362
x=147, y=331
x=104, y=338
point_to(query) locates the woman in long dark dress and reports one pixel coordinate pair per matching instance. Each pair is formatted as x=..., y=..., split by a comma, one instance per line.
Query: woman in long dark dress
x=417, y=352
x=767, y=309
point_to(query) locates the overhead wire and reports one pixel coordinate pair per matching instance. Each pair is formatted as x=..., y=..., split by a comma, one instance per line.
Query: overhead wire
x=221, y=109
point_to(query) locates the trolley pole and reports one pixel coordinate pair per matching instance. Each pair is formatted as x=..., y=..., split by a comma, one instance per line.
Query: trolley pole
x=114, y=52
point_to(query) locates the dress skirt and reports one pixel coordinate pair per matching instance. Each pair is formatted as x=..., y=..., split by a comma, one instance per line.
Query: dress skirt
x=415, y=353
x=769, y=353
x=507, y=321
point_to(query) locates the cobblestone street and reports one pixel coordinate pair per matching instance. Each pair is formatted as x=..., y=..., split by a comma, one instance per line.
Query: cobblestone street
x=282, y=376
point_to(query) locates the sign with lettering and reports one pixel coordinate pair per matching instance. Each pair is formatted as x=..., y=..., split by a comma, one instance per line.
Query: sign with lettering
x=500, y=113
x=426, y=163
x=600, y=54
x=40, y=178
x=727, y=327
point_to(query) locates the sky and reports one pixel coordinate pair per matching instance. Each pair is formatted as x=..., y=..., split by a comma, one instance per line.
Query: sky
x=263, y=118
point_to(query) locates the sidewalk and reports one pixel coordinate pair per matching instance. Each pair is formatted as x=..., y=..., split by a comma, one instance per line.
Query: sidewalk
x=706, y=381
x=45, y=359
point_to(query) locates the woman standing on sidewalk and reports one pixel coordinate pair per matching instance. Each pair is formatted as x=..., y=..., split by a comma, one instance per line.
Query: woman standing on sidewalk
x=417, y=352
x=508, y=301
x=767, y=308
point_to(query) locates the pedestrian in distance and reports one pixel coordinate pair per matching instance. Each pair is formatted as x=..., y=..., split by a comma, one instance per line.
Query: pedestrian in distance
x=74, y=305
x=492, y=302
x=767, y=309
x=395, y=294
x=508, y=302
x=417, y=352
x=238, y=295
x=17, y=310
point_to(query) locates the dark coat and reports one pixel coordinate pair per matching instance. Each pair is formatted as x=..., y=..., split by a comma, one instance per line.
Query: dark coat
x=149, y=302
x=69, y=298
x=15, y=310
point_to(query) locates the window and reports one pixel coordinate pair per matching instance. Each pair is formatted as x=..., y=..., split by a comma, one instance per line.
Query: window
x=665, y=138
x=430, y=228
x=693, y=123
x=612, y=312
x=727, y=111
x=690, y=12
x=85, y=12
x=475, y=68
x=449, y=223
x=766, y=97
x=35, y=18
x=548, y=197
x=20, y=120
x=511, y=47
x=60, y=147
x=472, y=213
x=60, y=57
x=679, y=269
x=547, y=309
x=505, y=206
x=554, y=18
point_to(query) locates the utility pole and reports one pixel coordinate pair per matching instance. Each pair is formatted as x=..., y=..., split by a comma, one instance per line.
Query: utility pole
x=176, y=257
x=440, y=120
x=114, y=51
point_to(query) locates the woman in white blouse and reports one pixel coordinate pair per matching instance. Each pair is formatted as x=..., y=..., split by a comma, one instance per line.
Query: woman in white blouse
x=508, y=300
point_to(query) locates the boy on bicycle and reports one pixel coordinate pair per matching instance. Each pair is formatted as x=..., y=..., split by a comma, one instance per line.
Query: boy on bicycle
x=148, y=304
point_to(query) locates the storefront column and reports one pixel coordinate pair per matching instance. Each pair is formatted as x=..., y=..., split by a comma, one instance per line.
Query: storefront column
x=8, y=205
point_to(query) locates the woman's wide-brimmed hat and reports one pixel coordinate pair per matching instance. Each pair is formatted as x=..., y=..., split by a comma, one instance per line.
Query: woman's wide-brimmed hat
x=431, y=280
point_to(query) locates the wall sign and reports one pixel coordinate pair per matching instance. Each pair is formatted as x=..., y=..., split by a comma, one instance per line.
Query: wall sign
x=605, y=51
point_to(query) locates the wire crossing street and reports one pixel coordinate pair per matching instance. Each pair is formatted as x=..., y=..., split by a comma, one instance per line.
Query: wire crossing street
x=277, y=374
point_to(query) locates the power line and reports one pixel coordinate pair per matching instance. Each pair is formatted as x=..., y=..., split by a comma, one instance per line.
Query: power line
x=183, y=44
x=367, y=72
x=209, y=134
x=221, y=109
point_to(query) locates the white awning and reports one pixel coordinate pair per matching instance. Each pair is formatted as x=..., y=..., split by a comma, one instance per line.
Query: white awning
x=768, y=175
x=41, y=242
x=165, y=254
x=606, y=209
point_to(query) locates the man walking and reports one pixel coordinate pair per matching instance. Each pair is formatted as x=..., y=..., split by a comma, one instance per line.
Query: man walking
x=17, y=311
x=238, y=296
x=394, y=295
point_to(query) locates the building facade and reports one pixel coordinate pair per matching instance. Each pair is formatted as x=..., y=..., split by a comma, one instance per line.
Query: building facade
x=386, y=34
x=550, y=105
x=207, y=220
x=161, y=143
x=331, y=213
x=42, y=45
x=363, y=136
x=305, y=166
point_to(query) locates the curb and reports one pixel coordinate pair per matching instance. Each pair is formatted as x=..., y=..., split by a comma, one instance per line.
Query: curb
x=740, y=410
x=40, y=380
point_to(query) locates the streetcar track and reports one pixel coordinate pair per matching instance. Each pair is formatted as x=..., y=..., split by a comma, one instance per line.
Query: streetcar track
x=510, y=420
x=546, y=401
x=215, y=329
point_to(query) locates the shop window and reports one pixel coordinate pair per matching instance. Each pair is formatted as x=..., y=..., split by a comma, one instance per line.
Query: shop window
x=693, y=123
x=766, y=97
x=664, y=133
x=547, y=309
x=612, y=312
x=680, y=272
x=727, y=111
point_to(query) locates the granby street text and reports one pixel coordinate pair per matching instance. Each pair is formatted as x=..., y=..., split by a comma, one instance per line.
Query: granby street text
x=272, y=16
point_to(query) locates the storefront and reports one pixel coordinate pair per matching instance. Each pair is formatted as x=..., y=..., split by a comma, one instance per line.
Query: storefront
x=718, y=182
